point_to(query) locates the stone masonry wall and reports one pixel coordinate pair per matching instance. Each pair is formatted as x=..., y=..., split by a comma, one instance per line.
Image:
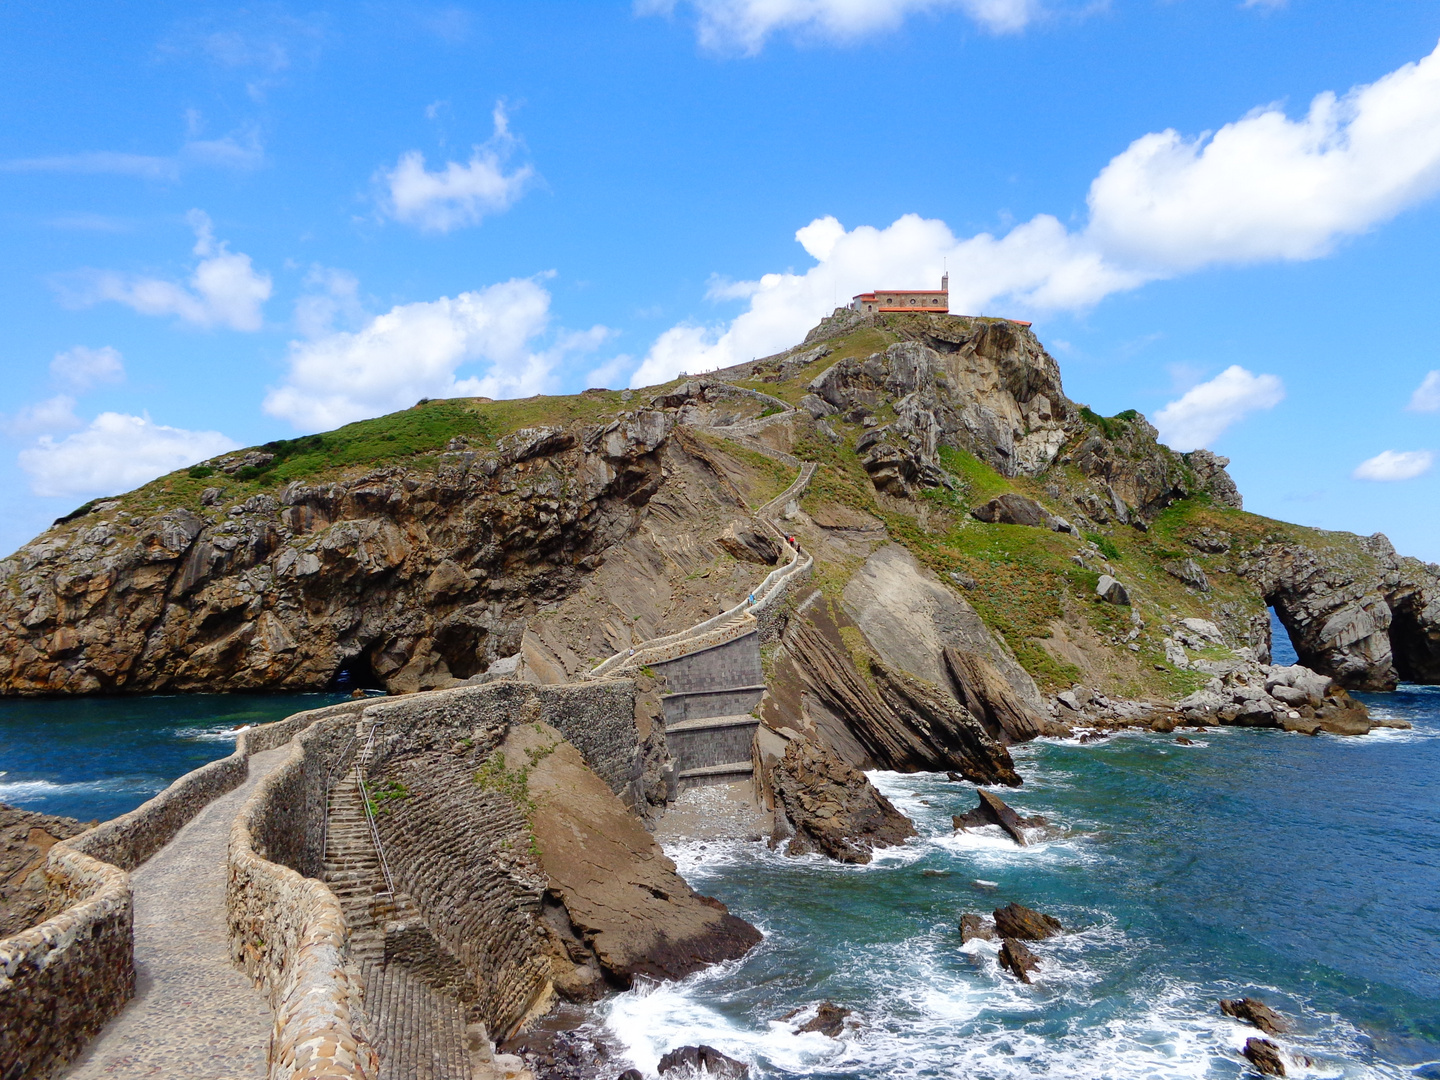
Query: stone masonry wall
x=62, y=980
x=462, y=853
x=288, y=931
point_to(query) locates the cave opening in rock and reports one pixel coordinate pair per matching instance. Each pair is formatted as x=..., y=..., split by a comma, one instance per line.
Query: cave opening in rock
x=1282, y=649
x=1416, y=651
x=355, y=673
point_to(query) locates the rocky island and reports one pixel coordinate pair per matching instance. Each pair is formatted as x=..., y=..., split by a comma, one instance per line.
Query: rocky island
x=898, y=545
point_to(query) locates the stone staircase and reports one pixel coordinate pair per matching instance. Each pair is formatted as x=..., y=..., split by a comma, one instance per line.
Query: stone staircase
x=419, y=1030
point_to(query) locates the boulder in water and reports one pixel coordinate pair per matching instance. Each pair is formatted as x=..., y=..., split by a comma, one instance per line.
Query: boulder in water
x=974, y=927
x=1018, y=960
x=1255, y=1012
x=1265, y=1056
x=829, y=1020
x=1019, y=921
x=994, y=811
x=833, y=807
x=697, y=1060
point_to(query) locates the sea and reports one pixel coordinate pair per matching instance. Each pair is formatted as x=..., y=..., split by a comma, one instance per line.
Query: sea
x=1304, y=871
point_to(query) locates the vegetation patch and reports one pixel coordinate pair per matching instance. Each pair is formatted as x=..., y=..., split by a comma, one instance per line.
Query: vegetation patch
x=382, y=796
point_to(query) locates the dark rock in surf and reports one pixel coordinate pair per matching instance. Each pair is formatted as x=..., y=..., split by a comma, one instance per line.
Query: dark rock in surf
x=701, y=1059
x=1255, y=1012
x=994, y=811
x=829, y=1020
x=1019, y=921
x=973, y=927
x=1265, y=1056
x=631, y=1074
x=1183, y=741
x=833, y=807
x=1018, y=960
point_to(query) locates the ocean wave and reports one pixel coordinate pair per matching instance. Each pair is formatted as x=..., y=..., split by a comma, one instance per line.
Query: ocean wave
x=219, y=733
x=17, y=792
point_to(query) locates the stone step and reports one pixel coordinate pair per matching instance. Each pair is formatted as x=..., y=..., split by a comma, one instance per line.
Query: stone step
x=712, y=723
x=707, y=772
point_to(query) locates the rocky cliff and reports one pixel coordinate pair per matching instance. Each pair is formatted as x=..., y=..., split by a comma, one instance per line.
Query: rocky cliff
x=962, y=502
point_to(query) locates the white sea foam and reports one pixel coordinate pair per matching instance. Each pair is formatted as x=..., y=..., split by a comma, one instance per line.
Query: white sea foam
x=21, y=791
x=220, y=733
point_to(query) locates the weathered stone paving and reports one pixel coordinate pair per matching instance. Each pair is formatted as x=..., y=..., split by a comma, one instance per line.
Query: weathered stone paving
x=194, y=1014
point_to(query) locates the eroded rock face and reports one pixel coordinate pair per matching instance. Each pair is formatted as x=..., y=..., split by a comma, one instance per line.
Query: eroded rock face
x=26, y=838
x=1367, y=618
x=834, y=808
x=415, y=578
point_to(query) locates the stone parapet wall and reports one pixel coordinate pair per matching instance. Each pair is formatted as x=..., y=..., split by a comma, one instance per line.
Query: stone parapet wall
x=287, y=930
x=61, y=981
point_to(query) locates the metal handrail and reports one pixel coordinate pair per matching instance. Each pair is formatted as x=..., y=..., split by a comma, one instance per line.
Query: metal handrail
x=329, y=787
x=754, y=603
x=370, y=814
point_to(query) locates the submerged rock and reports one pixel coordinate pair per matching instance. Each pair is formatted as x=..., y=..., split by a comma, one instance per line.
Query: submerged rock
x=1018, y=960
x=833, y=807
x=1255, y=1012
x=1265, y=1056
x=994, y=811
x=1018, y=921
x=829, y=1020
x=701, y=1060
x=974, y=927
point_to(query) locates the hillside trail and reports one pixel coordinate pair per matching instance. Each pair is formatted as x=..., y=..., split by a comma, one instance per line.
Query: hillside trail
x=740, y=619
x=194, y=1013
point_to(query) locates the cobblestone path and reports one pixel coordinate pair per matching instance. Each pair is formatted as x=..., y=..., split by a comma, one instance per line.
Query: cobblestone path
x=194, y=1013
x=419, y=1030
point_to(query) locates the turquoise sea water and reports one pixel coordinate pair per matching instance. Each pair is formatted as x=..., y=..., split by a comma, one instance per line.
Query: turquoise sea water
x=94, y=758
x=1305, y=871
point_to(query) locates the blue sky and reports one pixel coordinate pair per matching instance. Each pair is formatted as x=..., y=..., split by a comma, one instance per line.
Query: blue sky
x=223, y=225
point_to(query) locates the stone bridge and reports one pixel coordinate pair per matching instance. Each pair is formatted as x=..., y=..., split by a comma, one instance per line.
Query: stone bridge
x=269, y=864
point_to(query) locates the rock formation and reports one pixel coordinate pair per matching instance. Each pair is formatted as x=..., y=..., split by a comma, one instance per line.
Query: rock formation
x=1290, y=697
x=1017, y=959
x=829, y=1019
x=993, y=811
x=1251, y=1011
x=1265, y=1056
x=1018, y=921
x=833, y=808
x=701, y=1061
x=26, y=838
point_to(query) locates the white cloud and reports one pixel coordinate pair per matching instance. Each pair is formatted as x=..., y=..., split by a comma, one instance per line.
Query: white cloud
x=1264, y=187
x=332, y=296
x=1267, y=187
x=457, y=195
x=242, y=152
x=53, y=414
x=80, y=369
x=1426, y=397
x=1395, y=465
x=416, y=350
x=115, y=453
x=224, y=289
x=745, y=25
x=1199, y=416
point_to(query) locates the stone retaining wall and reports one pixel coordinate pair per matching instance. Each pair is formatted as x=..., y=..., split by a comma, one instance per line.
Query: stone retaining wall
x=287, y=930
x=62, y=980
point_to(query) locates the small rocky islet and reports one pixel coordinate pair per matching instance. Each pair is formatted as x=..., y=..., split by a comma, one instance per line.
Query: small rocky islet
x=897, y=546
